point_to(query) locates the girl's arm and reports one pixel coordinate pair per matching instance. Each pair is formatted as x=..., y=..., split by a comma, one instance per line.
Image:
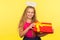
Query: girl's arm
x=22, y=33
x=41, y=34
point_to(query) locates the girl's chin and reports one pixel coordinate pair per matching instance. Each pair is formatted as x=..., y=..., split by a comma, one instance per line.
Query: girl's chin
x=29, y=17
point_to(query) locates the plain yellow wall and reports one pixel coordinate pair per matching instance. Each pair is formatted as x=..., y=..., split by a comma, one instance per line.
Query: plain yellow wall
x=11, y=12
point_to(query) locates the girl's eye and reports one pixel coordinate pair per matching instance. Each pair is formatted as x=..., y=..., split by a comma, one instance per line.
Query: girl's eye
x=32, y=12
x=28, y=12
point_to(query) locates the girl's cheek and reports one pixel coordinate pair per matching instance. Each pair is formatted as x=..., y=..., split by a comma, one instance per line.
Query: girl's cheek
x=28, y=15
x=32, y=14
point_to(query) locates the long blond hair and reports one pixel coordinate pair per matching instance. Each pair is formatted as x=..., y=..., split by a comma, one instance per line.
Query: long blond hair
x=23, y=18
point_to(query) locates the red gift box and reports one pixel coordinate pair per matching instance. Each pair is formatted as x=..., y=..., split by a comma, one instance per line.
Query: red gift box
x=43, y=27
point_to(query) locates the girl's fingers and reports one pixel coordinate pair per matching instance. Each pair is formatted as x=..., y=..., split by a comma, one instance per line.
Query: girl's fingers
x=32, y=25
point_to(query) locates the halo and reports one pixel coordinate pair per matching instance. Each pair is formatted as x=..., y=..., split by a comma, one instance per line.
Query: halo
x=33, y=4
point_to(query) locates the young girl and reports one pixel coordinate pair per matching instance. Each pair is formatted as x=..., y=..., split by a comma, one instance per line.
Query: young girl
x=27, y=23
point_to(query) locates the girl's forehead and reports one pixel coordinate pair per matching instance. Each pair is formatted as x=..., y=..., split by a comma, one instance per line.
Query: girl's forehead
x=31, y=9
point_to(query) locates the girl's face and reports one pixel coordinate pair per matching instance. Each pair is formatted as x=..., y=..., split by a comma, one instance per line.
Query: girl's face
x=30, y=13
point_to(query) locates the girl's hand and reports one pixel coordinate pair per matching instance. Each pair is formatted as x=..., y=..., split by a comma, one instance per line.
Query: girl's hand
x=32, y=25
x=42, y=34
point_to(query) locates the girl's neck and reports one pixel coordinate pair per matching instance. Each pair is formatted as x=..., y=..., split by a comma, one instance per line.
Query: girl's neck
x=29, y=20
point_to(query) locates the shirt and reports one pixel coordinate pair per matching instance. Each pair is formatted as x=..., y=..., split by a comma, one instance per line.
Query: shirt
x=29, y=33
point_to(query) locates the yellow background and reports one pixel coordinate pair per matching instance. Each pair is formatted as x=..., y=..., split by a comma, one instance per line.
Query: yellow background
x=11, y=12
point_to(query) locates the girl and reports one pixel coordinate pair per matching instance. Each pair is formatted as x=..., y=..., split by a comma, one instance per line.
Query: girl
x=27, y=23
